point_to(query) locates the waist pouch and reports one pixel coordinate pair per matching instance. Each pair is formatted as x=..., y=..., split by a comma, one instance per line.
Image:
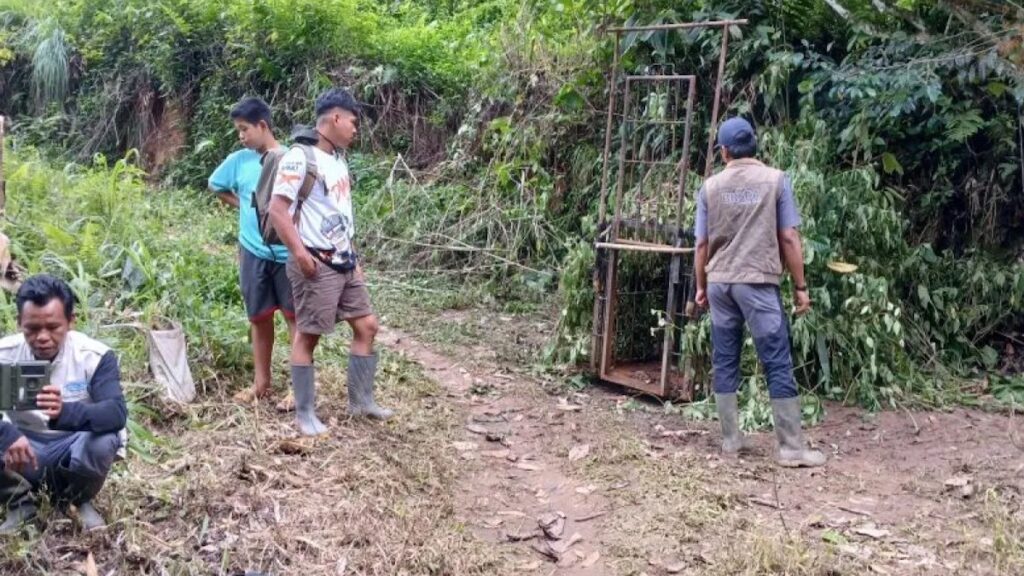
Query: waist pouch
x=348, y=263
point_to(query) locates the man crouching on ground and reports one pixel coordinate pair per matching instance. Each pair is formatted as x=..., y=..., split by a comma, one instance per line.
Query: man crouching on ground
x=77, y=431
x=327, y=280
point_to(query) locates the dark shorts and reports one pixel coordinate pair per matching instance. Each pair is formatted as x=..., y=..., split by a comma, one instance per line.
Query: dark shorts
x=265, y=287
x=327, y=298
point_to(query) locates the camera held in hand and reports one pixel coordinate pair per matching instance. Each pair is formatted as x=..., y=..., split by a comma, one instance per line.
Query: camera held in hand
x=20, y=384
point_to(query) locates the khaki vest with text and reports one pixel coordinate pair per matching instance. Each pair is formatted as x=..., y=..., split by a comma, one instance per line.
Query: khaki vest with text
x=742, y=220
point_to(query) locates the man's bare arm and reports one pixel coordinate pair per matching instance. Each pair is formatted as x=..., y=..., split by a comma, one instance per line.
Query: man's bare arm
x=793, y=257
x=282, y=221
x=701, y=263
x=792, y=254
x=226, y=197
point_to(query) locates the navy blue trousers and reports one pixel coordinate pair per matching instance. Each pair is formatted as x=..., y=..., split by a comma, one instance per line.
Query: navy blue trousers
x=759, y=306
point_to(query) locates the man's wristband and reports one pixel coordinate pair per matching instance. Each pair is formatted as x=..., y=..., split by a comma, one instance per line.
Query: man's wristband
x=800, y=288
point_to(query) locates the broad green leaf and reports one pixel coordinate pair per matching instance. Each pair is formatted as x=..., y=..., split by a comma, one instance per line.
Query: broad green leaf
x=833, y=537
x=890, y=164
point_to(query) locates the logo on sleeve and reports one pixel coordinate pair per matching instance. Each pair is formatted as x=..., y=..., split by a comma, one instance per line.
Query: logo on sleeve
x=287, y=179
x=75, y=390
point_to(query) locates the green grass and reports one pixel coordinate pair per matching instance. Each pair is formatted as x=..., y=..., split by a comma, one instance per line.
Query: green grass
x=213, y=487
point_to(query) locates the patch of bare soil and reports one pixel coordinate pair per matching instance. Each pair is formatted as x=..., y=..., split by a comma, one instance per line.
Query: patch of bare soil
x=515, y=492
x=648, y=493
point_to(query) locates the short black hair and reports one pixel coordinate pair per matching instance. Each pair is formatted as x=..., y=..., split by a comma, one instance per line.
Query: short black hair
x=743, y=150
x=252, y=110
x=336, y=98
x=41, y=289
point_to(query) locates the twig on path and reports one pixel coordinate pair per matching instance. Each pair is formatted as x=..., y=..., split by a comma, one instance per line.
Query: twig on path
x=763, y=502
x=778, y=503
x=591, y=516
x=853, y=510
x=1011, y=429
x=917, y=429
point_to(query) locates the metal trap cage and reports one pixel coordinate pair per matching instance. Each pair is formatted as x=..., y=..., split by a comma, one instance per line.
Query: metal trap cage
x=644, y=271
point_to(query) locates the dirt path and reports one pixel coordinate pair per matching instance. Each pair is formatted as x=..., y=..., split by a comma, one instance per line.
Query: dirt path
x=517, y=485
x=903, y=492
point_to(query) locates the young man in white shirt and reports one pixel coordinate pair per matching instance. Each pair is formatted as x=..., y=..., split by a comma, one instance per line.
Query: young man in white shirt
x=327, y=280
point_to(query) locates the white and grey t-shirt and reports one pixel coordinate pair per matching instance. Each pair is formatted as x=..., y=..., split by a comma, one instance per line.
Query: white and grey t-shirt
x=326, y=221
x=89, y=377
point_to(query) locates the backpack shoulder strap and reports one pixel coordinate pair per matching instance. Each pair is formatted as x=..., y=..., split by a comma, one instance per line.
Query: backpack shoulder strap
x=312, y=173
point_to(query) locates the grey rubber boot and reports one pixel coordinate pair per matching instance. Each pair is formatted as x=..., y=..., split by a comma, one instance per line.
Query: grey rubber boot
x=733, y=441
x=80, y=489
x=361, y=370
x=90, y=517
x=304, y=385
x=793, y=452
x=17, y=517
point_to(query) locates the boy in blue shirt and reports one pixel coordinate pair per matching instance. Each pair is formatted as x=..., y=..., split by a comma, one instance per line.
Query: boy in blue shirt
x=265, y=284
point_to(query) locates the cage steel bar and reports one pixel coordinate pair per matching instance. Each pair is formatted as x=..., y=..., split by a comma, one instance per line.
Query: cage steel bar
x=642, y=238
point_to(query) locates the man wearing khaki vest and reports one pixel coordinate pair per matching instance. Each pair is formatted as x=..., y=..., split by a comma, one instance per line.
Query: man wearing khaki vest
x=746, y=235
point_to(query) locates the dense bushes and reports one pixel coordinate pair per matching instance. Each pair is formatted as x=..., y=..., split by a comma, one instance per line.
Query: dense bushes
x=898, y=121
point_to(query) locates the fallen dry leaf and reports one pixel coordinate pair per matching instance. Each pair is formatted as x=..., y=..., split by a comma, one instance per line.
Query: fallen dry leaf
x=561, y=547
x=553, y=524
x=681, y=433
x=591, y=559
x=292, y=446
x=564, y=405
x=477, y=429
x=579, y=452
x=675, y=567
x=496, y=453
x=871, y=531
x=958, y=481
x=89, y=567
x=464, y=446
x=586, y=490
x=528, y=466
x=492, y=522
x=520, y=536
x=544, y=547
x=495, y=437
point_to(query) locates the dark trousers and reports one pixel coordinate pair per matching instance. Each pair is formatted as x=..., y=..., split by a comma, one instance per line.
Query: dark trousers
x=72, y=468
x=759, y=306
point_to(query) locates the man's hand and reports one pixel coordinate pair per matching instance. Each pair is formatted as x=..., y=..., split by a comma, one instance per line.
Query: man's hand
x=50, y=402
x=802, y=300
x=702, y=299
x=307, y=264
x=20, y=457
x=359, y=273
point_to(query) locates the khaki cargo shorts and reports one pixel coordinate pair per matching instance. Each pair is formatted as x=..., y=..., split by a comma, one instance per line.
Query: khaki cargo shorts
x=327, y=298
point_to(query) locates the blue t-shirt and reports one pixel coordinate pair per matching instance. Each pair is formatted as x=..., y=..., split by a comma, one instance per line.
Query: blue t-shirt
x=239, y=174
x=787, y=214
